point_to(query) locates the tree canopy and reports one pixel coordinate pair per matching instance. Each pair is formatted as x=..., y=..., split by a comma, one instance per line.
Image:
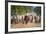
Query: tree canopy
x=37, y=10
x=20, y=10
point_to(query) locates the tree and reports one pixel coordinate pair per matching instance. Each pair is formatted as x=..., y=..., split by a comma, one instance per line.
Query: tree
x=37, y=10
x=13, y=10
x=20, y=10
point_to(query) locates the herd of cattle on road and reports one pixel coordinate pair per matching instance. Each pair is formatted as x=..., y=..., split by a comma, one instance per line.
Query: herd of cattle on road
x=25, y=19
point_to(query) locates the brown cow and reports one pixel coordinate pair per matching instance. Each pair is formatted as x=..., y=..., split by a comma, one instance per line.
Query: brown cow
x=28, y=18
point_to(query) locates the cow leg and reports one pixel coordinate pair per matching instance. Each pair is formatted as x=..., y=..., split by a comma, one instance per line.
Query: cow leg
x=23, y=21
x=26, y=21
x=35, y=21
x=11, y=21
x=31, y=21
x=39, y=20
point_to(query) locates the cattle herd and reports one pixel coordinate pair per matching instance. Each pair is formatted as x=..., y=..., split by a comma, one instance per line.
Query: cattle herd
x=26, y=19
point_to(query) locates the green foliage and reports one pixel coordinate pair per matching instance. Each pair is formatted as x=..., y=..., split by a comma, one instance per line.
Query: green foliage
x=37, y=10
x=13, y=10
x=20, y=10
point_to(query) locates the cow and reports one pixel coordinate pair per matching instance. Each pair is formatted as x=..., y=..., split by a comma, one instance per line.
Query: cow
x=37, y=19
x=28, y=18
x=14, y=19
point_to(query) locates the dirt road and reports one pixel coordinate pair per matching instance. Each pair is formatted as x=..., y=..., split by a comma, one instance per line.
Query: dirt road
x=28, y=25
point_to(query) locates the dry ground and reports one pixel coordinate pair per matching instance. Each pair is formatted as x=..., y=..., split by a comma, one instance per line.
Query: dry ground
x=28, y=25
